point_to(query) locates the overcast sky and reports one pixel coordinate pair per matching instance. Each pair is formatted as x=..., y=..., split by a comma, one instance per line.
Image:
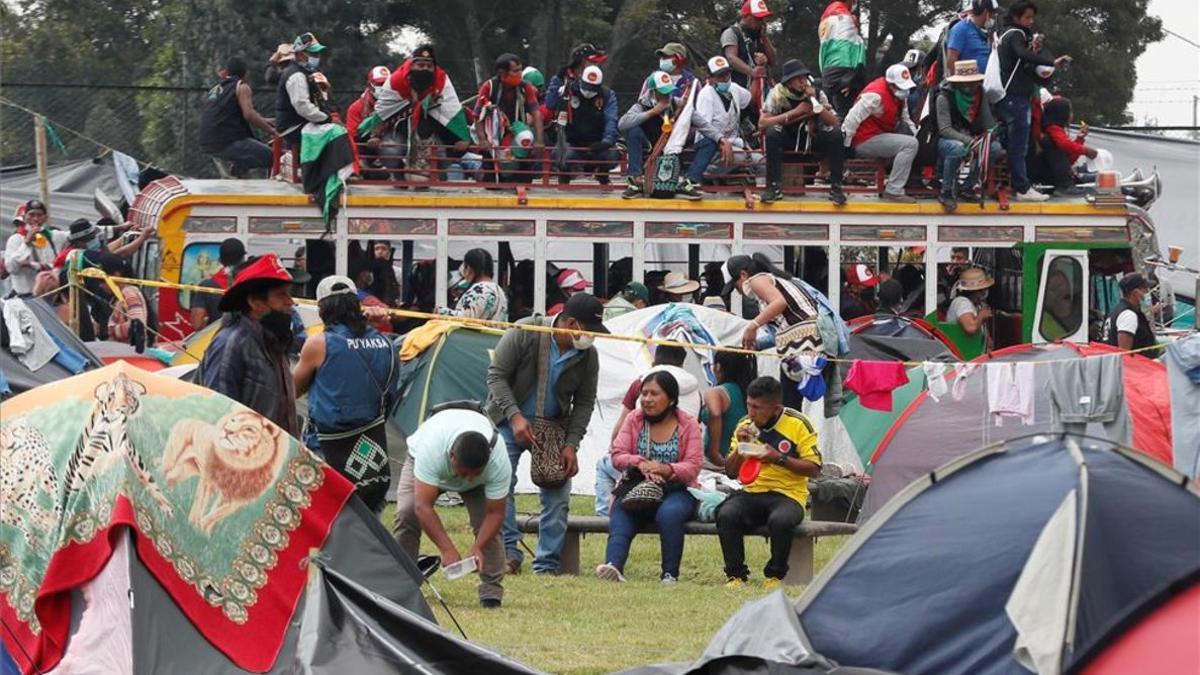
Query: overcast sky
x=1169, y=71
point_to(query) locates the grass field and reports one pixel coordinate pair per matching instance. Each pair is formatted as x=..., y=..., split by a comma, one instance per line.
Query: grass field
x=582, y=625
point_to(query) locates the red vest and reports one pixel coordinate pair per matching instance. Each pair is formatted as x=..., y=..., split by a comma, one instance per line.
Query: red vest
x=885, y=123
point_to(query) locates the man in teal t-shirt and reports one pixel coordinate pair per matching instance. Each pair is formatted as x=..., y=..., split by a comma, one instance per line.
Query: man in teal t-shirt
x=461, y=451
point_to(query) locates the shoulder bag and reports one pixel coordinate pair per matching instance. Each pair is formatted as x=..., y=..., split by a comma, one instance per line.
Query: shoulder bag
x=546, y=465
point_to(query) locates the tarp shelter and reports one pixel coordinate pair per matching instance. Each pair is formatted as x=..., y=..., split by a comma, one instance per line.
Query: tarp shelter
x=21, y=378
x=72, y=188
x=453, y=368
x=1016, y=558
x=148, y=525
x=931, y=433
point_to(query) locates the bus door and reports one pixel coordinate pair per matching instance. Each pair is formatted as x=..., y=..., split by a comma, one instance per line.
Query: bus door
x=1063, y=297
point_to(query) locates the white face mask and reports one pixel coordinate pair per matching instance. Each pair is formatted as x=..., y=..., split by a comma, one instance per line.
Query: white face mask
x=583, y=342
x=588, y=94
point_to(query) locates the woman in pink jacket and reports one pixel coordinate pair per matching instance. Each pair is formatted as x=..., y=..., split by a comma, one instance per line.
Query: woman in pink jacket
x=664, y=444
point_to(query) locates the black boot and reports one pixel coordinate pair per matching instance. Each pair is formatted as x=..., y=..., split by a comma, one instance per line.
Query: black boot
x=836, y=195
x=947, y=200
x=774, y=193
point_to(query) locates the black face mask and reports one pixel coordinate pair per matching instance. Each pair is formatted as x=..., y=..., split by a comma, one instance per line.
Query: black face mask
x=420, y=80
x=751, y=33
x=655, y=419
x=278, y=325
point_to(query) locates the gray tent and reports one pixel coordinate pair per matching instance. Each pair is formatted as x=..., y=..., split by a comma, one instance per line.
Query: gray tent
x=1019, y=557
x=21, y=378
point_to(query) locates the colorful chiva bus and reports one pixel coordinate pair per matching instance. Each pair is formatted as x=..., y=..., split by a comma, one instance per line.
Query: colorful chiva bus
x=1084, y=245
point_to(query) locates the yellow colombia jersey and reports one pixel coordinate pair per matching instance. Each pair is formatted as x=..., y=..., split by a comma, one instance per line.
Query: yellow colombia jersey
x=794, y=436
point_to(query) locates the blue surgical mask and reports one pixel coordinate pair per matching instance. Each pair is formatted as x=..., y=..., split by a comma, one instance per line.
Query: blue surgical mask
x=666, y=65
x=722, y=87
x=94, y=244
x=1146, y=303
x=313, y=62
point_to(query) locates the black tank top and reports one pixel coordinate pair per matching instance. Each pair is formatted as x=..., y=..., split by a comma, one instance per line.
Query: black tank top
x=1144, y=337
x=221, y=119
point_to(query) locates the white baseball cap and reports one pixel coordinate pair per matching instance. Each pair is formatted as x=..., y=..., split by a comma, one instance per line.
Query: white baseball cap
x=592, y=78
x=718, y=65
x=333, y=285
x=898, y=75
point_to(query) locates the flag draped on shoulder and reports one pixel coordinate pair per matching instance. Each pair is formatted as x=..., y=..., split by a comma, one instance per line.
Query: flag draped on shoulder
x=326, y=160
x=842, y=45
x=439, y=101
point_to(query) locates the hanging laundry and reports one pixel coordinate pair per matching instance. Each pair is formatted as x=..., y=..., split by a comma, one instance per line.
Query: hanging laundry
x=935, y=378
x=806, y=370
x=1010, y=391
x=874, y=382
x=68, y=358
x=27, y=339
x=1090, y=390
x=961, y=372
x=1183, y=362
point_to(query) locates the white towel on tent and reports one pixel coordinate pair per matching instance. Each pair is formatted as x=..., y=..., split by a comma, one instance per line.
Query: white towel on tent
x=935, y=377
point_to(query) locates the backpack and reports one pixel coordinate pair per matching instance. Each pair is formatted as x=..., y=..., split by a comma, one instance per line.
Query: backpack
x=994, y=88
x=465, y=404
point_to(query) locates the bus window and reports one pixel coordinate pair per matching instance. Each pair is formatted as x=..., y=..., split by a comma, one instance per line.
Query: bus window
x=1063, y=297
x=865, y=267
x=201, y=260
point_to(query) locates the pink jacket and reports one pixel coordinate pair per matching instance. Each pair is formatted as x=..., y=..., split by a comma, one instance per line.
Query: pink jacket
x=687, y=469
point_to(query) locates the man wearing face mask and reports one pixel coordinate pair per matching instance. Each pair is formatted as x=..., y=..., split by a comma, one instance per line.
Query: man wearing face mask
x=503, y=101
x=247, y=359
x=642, y=124
x=591, y=127
x=294, y=102
x=1127, y=327
x=716, y=118
x=746, y=45
x=874, y=125
x=566, y=381
x=968, y=39
x=672, y=60
x=798, y=118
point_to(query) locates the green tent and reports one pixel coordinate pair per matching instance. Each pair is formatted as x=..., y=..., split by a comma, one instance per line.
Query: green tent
x=867, y=428
x=453, y=368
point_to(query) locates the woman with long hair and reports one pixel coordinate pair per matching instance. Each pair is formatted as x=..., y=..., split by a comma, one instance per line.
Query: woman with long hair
x=658, y=443
x=725, y=404
x=483, y=299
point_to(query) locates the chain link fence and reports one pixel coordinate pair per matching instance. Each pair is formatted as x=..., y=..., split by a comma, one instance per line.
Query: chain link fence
x=155, y=125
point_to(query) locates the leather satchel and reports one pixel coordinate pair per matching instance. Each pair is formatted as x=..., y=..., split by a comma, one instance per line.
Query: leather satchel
x=546, y=460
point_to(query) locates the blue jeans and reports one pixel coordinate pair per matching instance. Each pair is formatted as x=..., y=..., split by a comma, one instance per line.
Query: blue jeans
x=706, y=149
x=606, y=479
x=552, y=526
x=677, y=508
x=951, y=154
x=635, y=150
x=1014, y=112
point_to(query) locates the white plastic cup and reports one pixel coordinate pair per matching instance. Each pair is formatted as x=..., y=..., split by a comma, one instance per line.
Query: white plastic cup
x=461, y=568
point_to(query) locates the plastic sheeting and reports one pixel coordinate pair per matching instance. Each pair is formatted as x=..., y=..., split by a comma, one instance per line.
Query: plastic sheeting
x=22, y=379
x=72, y=185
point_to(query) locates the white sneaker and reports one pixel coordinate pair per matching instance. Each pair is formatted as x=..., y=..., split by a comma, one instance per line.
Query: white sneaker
x=1032, y=195
x=609, y=572
x=669, y=580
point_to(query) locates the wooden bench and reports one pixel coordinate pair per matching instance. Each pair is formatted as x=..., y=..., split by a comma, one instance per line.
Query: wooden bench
x=800, y=562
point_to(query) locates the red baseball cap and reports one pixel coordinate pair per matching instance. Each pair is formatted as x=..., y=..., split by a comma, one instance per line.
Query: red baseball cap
x=861, y=275
x=266, y=271
x=379, y=75
x=756, y=8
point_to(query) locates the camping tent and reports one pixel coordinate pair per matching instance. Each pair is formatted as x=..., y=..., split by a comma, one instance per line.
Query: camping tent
x=898, y=338
x=240, y=550
x=1025, y=552
x=22, y=379
x=1157, y=637
x=906, y=451
x=453, y=368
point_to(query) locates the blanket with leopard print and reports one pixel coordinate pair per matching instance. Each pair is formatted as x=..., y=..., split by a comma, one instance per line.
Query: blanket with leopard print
x=224, y=503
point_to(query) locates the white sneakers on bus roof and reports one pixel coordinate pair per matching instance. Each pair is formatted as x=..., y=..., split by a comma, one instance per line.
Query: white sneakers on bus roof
x=1032, y=195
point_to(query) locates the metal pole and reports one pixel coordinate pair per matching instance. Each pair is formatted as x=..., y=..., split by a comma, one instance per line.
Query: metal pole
x=39, y=143
x=1195, y=100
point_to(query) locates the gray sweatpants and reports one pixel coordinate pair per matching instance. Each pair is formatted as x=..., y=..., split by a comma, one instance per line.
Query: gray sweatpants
x=407, y=530
x=901, y=149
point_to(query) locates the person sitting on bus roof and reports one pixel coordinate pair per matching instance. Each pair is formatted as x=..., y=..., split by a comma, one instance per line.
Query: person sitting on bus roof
x=226, y=118
x=295, y=97
x=360, y=272
x=205, y=307
x=963, y=117
x=969, y=308
x=857, y=292
x=842, y=59
x=362, y=108
x=1053, y=164
x=879, y=126
x=643, y=124
x=634, y=296
x=483, y=299
x=797, y=117
x=504, y=101
x=672, y=60
x=717, y=120
x=746, y=44
x=277, y=63
x=591, y=128
x=582, y=56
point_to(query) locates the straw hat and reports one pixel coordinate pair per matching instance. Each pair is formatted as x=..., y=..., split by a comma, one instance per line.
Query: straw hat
x=965, y=72
x=974, y=279
x=676, y=283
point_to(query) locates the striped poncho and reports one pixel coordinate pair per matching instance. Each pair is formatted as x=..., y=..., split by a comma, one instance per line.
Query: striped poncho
x=841, y=44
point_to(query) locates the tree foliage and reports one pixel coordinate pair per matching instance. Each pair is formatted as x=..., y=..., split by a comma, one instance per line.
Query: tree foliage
x=176, y=45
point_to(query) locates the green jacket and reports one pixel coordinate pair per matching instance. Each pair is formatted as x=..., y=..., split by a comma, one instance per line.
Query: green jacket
x=512, y=379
